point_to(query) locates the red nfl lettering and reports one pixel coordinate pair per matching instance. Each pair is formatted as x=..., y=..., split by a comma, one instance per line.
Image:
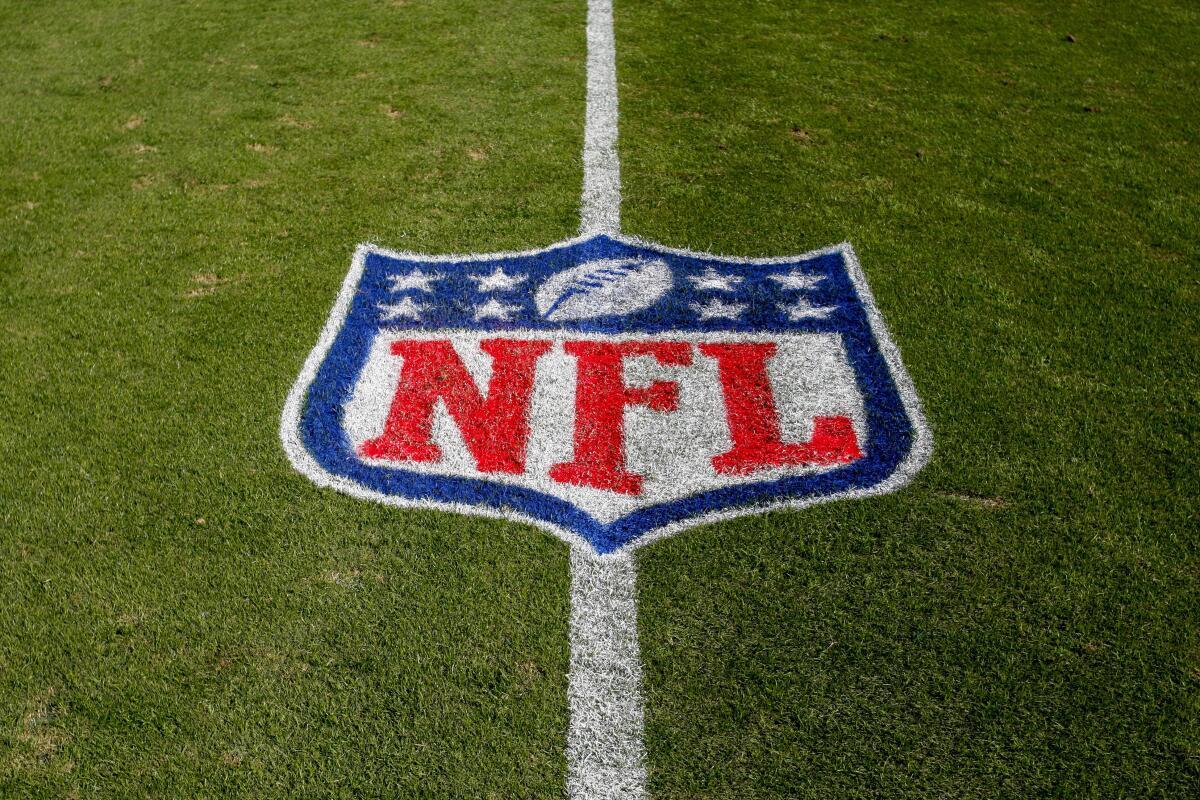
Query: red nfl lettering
x=600, y=400
x=495, y=428
x=754, y=422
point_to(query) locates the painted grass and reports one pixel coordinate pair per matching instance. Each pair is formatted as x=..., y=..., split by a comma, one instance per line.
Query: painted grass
x=180, y=191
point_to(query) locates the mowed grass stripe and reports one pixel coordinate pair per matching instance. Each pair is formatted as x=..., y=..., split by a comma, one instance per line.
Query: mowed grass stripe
x=182, y=189
x=1022, y=620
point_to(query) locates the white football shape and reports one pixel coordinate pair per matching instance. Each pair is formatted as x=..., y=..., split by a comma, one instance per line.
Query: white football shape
x=606, y=287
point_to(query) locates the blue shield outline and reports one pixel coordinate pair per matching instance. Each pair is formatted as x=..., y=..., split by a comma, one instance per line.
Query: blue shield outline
x=898, y=444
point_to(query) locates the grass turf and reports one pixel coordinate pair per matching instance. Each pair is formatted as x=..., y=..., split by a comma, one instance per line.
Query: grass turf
x=180, y=191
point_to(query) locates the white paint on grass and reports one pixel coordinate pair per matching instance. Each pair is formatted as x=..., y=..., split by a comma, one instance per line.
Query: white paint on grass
x=606, y=758
x=405, y=309
x=712, y=281
x=605, y=751
x=497, y=281
x=715, y=308
x=605, y=287
x=494, y=309
x=600, y=208
x=414, y=281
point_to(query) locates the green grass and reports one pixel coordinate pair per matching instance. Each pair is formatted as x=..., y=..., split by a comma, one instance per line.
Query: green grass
x=182, y=615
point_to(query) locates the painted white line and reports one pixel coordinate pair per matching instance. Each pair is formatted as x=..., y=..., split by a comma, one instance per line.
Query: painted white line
x=605, y=755
x=600, y=208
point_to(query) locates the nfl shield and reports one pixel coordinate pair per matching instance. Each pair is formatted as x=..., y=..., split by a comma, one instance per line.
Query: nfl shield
x=606, y=389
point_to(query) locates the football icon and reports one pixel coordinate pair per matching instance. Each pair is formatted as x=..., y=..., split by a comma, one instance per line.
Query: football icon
x=604, y=287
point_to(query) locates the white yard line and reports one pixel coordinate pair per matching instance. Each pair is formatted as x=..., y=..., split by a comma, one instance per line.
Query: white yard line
x=600, y=208
x=606, y=758
x=605, y=754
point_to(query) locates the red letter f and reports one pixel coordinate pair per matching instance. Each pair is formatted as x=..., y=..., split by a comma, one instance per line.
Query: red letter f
x=600, y=400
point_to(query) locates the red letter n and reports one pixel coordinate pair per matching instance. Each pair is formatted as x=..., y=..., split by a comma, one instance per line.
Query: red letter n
x=754, y=422
x=600, y=400
x=495, y=429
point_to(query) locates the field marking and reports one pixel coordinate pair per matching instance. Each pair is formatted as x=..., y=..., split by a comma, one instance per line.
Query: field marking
x=605, y=750
x=305, y=463
x=600, y=206
x=605, y=754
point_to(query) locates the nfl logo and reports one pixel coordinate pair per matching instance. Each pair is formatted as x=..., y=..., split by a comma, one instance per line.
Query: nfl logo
x=606, y=389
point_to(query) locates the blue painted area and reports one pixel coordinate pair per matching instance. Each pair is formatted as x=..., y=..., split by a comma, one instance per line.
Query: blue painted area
x=452, y=305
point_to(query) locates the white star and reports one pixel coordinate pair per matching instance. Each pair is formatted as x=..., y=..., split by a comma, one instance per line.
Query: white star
x=717, y=309
x=797, y=280
x=406, y=308
x=494, y=309
x=413, y=280
x=497, y=281
x=802, y=309
x=712, y=280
